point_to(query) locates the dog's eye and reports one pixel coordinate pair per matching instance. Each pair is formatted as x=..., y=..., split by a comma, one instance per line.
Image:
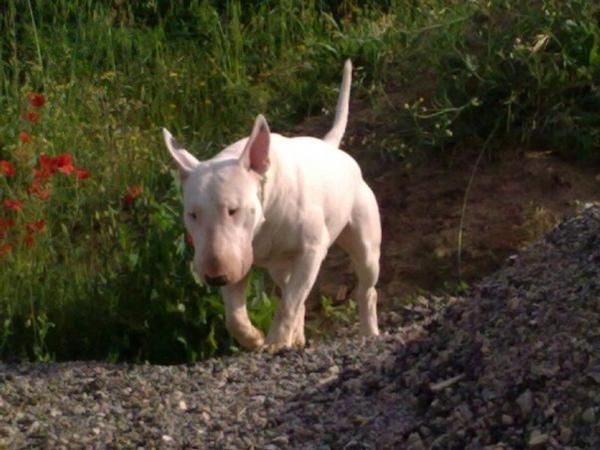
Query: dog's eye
x=192, y=215
x=232, y=211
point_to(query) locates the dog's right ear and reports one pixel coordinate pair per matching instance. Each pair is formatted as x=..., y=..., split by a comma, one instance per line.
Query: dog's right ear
x=255, y=155
x=186, y=162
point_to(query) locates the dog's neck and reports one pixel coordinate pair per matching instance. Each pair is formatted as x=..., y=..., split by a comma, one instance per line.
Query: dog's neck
x=261, y=190
x=268, y=183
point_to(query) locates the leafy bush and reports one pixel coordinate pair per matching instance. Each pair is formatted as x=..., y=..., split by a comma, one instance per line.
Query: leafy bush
x=523, y=70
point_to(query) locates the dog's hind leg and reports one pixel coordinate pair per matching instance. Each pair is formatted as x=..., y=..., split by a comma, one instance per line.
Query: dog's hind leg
x=298, y=338
x=281, y=276
x=361, y=239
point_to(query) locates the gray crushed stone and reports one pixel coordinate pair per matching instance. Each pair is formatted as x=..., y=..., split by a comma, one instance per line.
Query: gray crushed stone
x=514, y=364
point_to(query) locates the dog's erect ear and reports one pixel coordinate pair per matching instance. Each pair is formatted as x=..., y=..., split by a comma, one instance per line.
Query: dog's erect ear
x=186, y=162
x=256, y=153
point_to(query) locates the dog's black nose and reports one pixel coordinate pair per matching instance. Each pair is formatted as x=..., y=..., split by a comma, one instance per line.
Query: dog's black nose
x=221, y=280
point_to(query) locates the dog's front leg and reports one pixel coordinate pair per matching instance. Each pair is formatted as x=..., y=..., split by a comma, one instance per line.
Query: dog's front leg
x=304, y=272
x=236, y=316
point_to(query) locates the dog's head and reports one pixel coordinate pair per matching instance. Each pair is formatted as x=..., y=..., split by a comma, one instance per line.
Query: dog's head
x=222, y=201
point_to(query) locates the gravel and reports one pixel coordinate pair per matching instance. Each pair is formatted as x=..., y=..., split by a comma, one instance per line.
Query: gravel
x=513, y=364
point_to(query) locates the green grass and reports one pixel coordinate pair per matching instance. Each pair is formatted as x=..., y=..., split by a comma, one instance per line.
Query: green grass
x=111, y=280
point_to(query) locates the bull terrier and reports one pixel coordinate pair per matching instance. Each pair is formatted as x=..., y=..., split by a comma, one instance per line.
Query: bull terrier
x=279, y=203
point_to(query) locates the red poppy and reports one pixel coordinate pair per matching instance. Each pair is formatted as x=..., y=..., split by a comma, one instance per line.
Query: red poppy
x=66, y=168
x=64, y=163
x=5, y=249
x=15, y=205
x=36, y=100
x=82, y=174
x=36, y=185
x=43, y=195
x=36, y=189
x=41, y=174
x=49, y=165
x=29, y=240
x=7, y=168
x=46, y=167
x=7, y=224
x=37, y=226
x=24, y=137
x=132, y=193
x=32, y=116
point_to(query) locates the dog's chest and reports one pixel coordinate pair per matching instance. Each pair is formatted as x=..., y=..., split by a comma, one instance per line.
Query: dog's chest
x=272, y=245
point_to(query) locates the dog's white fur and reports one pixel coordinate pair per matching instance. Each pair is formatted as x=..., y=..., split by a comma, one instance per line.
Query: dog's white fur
x=280, y=203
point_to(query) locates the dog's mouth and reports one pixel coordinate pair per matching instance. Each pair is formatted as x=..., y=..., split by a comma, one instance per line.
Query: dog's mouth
x=224, y=269
x=218, y=281
x=223, y=279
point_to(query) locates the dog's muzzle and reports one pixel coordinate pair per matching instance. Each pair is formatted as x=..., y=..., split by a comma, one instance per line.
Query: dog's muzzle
x=221, y=280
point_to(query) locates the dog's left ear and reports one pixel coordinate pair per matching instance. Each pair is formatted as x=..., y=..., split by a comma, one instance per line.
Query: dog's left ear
x=256, y=153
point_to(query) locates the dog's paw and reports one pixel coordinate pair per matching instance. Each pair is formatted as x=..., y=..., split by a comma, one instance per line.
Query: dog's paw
x=253, y=341
x=275, y=347
x=255, y=345
x=299, y=343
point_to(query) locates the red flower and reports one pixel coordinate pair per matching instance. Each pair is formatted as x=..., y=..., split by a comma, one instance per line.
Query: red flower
x=43, y=195
x=29, y=240
x=47, y=167
x=36, y=100
x=7, y=169
x=132, y=193
x=5, y=249
x=36, y=189
x=24, y=137
x=64, y=163
x=37, y=226
x=32, y=116
x=7, y=224
x=41, y=174
x=15, y=205
x=82, y=174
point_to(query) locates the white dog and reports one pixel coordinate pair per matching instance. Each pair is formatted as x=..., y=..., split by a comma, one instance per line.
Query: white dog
x=280, y=203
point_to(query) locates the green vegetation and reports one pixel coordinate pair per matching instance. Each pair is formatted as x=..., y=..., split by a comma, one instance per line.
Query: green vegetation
x=100, y=268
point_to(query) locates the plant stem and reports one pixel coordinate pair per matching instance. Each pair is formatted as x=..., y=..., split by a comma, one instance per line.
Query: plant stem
x=37, y=40
x=463, y=211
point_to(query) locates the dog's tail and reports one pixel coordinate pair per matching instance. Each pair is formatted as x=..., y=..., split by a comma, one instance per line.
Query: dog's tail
x=335, y=135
